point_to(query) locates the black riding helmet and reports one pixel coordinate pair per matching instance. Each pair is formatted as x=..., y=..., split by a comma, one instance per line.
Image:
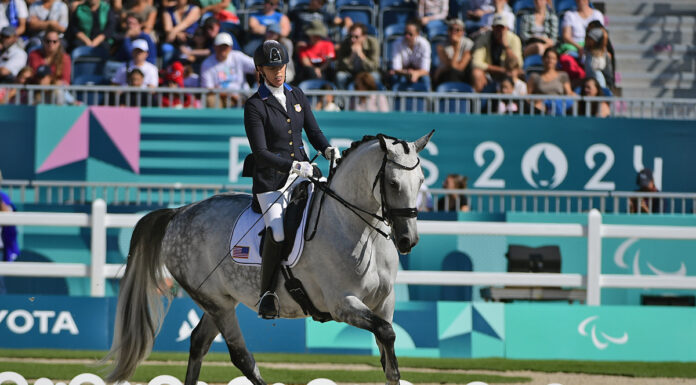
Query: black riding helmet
x=271, y=53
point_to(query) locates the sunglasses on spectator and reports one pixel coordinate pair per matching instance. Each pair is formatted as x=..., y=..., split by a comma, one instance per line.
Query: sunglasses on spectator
x=409, y=33
x=355, y=36
x=51, y=41
x=456, y=30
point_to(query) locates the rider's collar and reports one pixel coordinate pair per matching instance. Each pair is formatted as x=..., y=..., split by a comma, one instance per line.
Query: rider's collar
x=265, y=89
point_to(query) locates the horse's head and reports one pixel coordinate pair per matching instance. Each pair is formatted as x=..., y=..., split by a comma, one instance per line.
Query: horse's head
x=401, y=181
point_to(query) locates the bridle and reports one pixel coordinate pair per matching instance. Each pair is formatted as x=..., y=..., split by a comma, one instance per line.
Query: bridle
x=388, y=213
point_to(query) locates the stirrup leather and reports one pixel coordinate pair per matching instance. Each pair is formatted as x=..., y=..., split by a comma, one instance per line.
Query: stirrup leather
x=269, y=305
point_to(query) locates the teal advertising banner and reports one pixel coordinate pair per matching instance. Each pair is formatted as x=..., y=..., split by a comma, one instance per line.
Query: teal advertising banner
x=208, y=146
x=423, y=329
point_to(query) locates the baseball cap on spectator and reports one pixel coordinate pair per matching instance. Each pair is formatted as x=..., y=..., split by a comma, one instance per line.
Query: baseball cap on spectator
x=8, y=31
x=176, y=74
x=43, y=71
x=274, y=28
x=223, y=38
x=317, y=28
x=645, y=176
x=501, y=19
x=596, y=34
x=141, y=45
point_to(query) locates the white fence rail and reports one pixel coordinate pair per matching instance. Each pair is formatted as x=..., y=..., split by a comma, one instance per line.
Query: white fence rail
x=98, y=270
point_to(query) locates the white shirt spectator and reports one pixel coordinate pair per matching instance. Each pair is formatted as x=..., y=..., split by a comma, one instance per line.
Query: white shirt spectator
x=150, y=74
x=13, y=58
x=578, y=25
x=416, y=58
x=22, y=12
x=230, y=73
x=58, y=12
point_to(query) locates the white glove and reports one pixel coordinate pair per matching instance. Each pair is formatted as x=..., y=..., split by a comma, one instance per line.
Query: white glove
x=303, y=169
x=332, y=153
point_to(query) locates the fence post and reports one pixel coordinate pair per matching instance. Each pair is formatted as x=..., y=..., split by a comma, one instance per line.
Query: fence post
x=96, y=268
x=594, y=257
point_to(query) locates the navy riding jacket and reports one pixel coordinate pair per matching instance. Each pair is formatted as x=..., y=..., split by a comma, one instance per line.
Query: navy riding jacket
x=275, y=135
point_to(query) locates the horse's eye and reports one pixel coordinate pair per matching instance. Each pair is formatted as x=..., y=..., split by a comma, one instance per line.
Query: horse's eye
x=393, y=184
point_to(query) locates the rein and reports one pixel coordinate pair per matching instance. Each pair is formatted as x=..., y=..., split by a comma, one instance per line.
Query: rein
x=387, y=212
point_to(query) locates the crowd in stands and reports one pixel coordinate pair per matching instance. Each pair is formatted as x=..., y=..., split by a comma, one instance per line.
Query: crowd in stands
x=515, y=47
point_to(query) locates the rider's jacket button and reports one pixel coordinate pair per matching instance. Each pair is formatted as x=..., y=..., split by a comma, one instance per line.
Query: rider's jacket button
x=288, y=120
x=289, y=131
x=290, y=143
x=292, y=154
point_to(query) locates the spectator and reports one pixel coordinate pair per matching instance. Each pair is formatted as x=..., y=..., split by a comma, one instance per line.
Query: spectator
x=317, y=57
x=191, y=78
x=52, y=54
x=258, y=21
x=550, y=81
x=136, y=78
x=21, y=95
x=134, y=31
x=453, y=201
x=539, y=29
x=327, y=102
x=514, y=72
x=646, y=184
x=12, y=56
x=273, y=33
x=478, y=9
x=14, y=13
x=45, y=15
x=591, y=87
x=180, y=22
x=598, y=60
x=174, y=78
x=199, y=49
x=374, y=102
x=424, y=200
x=148, y=70
x=455, y=56
x=144, y=11
x=432, y=13
x=506, y=106
x=226, y=69
x=575, y=25
x=221, y=10
x=357, y=53
x=10, y=247
x=411, y=60
x=493, y=47
x=302, y=17
x=92, y=24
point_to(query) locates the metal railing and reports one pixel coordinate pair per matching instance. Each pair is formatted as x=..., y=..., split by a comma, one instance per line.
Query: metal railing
x=64, y=193
x=423, y=102
x=98, y=220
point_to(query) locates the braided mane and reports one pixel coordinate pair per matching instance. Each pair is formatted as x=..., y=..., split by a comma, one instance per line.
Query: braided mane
x=382, y=142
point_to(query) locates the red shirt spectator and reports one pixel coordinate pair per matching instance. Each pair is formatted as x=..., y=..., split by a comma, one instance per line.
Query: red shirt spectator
x=53, y=55
x=316, y=57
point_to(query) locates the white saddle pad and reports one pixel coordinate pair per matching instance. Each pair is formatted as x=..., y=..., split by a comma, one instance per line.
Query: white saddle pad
x=246, y=242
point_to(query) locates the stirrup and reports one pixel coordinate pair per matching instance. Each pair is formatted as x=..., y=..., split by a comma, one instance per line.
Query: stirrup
x=269, y=305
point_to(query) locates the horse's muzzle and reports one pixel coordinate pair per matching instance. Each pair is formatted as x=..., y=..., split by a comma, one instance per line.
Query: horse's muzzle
x=405, y=244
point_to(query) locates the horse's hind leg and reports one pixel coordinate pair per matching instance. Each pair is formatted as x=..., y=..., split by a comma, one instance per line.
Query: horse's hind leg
x=239, y=354
x=354, y=312
x=201, y=339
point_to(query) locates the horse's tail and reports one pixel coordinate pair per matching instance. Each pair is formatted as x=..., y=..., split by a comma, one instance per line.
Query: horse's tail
x=140, y=308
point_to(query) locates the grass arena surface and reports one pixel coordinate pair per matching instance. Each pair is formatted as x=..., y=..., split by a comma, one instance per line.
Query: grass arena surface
x=351, y=369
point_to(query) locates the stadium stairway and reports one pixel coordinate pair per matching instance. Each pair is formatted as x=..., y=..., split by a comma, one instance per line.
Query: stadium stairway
x=655, y=44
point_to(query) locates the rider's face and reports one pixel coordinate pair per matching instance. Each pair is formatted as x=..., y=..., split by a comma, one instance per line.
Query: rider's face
x=275, y=76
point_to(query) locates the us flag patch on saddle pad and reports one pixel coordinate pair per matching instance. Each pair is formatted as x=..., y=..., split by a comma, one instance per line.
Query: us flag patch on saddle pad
x=241, y=252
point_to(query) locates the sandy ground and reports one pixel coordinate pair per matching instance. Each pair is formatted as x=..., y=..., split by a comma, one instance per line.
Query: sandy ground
x=538, y=378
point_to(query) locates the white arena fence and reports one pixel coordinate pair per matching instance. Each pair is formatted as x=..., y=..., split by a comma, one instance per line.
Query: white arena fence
x=400, y=101
x=62, y=193
x=595, y=231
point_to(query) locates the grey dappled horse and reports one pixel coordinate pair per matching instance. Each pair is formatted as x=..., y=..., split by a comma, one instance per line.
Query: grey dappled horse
x=348, y=268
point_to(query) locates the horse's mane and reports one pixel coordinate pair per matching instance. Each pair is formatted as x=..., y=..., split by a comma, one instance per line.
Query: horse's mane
x=368, y=138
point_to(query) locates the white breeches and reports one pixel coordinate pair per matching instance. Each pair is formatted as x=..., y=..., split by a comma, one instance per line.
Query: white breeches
x=274, y=203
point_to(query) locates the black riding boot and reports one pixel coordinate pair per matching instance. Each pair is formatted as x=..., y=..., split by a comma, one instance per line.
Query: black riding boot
x=272, y=255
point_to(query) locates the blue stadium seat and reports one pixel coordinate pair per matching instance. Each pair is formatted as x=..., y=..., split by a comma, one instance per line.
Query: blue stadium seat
x=315, y=84
x=395, y=12
x=436, y=30
x=111, y=67
x=363, y=16
x=84, y=51
x=523, y=6
x=454, y=106
x=88, y=61
x=90, y=97
x=388, y=51
x=411, y=103
x=394, y=30
x=297, y=4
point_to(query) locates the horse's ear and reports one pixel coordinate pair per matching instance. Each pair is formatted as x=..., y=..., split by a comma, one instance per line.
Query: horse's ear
x=421, y=142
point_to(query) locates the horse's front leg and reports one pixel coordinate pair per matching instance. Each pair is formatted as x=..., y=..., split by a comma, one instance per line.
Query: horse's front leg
x=353, y=311
x=201, y=339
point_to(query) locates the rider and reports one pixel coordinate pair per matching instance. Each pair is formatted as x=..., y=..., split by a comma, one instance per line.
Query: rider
x=273, y=119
